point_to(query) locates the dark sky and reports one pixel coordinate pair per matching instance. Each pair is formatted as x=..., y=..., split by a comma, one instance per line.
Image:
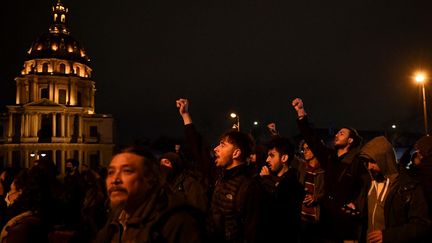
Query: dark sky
x=351, y=61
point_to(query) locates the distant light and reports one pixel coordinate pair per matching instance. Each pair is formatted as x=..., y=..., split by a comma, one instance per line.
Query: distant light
x=255, y=123
x=394, y=126
x=32, y=155
x=43, y=154
x=420, y=77
x=233, y=115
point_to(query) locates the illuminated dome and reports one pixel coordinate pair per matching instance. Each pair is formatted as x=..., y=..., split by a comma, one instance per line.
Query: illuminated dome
x=58, y=43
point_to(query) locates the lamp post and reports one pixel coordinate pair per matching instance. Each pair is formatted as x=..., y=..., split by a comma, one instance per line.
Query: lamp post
x=37, y=155
x=421, y=79
x=237, y=124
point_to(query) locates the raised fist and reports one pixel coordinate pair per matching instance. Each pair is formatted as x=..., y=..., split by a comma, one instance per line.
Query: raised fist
x=297, y=103
x=182, y=105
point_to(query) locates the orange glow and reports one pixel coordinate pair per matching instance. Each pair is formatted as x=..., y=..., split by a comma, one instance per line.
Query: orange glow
x=54, y=47
x=420, y=77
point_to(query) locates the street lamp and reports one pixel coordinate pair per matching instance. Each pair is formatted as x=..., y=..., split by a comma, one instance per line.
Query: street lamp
x=237, y=124
x=421, y=79
x=37, y=155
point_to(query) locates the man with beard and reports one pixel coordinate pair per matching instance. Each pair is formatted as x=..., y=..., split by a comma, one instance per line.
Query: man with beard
x=395, y=205
x=236, y=200
x=141, y=208
x=281, y=182
x=343, y=177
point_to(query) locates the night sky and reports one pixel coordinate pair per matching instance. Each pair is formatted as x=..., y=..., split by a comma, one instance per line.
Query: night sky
x=350, y=61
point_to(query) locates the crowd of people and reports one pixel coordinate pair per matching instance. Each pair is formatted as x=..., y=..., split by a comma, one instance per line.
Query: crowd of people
x=238, y=191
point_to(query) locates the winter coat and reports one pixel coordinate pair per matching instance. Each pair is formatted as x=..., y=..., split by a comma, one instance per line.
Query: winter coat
x=343, y=180
x=405, y=213
x=158, y=219
x=283, y=213
x=236, y=207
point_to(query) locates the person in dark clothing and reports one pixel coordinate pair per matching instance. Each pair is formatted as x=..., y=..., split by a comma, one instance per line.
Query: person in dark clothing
x=33, y=211
x=142, y=209
x=312, y=178
x=257, y=159
x=395, y=203
x=74, y=193
x=93, y=212
x=422, y=167
x=235, y=207
x=183, y=182
x=281, y=182
x=343, y=178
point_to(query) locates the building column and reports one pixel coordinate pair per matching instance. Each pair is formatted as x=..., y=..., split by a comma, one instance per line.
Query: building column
x=35, y=125
x=73, y=94
x=92, y=94
x=80, y=127
x=27, y=125
x=51, y=91
x=18, y=92
x=22, y=125
x=34, y=91
x=54, y=125
x=10, y=127
x=68, y=126
x=62, y=125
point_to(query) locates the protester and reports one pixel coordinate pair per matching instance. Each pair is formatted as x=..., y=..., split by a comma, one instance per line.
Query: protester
x=236, y=201
x=343, y=177
x=142, y=209
x=396, y=207
x=184, y=182
x=286, y=194
x=312, y=177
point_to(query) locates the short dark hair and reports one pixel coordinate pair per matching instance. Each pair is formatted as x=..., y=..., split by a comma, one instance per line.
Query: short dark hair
x=283, y=146
x=355, y=136
x=241, y=140
x=74, y=162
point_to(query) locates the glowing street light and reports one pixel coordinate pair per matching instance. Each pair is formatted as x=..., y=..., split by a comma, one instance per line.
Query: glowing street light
x=421, y=79
x=255, y=123
x=237, y=124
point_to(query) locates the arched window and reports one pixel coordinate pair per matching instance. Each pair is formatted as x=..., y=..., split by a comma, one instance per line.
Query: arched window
x=77, y=71
x=45, y=68
x=62, y=68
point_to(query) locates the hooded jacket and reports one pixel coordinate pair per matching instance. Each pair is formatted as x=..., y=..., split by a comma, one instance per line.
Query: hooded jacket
x=396, y=206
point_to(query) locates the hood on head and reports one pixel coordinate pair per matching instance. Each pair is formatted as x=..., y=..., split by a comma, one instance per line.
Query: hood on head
x=380, y=150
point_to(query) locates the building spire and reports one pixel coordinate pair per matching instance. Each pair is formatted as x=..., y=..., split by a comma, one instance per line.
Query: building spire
x=59, y=19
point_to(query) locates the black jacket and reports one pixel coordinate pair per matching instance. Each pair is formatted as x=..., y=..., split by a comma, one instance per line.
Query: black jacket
x=283, y=211
x=158, y=219
x=343, y=183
